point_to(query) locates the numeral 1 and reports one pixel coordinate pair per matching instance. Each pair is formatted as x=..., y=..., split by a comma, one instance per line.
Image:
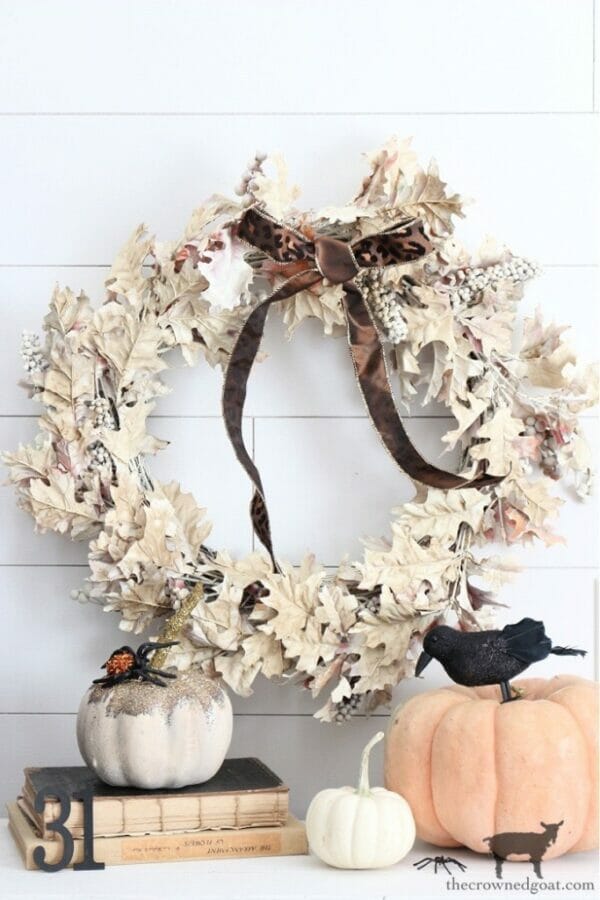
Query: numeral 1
x=88, y=861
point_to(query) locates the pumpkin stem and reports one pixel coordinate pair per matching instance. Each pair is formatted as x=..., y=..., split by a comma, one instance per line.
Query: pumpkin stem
x=175, y=623
x=363, y=781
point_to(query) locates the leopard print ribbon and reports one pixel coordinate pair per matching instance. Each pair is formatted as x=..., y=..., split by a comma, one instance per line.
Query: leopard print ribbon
x=306, y=263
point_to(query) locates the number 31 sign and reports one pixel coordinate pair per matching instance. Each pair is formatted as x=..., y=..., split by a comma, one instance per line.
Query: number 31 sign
x=59, y=827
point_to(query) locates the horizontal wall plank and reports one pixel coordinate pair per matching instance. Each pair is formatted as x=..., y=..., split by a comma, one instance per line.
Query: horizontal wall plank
x=199, y=457
x=309, y=375
x=281, y=742
x=69, y=640
x=195, y=56
x=330, y=482
x=99, y=177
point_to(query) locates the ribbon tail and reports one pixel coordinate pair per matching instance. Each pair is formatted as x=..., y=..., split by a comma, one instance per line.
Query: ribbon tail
x=235, y=386
x=371, y=373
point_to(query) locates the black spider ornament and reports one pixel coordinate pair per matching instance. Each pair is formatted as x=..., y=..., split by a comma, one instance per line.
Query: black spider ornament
x=439, y=862
x=126, y=664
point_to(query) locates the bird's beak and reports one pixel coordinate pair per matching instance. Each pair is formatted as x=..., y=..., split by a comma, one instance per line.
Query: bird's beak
x=422, y=662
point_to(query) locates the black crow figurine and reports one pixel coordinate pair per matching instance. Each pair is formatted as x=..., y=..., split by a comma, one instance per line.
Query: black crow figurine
x=475, y=658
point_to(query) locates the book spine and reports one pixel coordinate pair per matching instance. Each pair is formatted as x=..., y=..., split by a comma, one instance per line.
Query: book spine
x=136, y=817
x=116, y=851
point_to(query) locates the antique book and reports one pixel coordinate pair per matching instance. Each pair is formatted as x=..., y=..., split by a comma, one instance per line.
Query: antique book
x=243, y=794
x=283, y=840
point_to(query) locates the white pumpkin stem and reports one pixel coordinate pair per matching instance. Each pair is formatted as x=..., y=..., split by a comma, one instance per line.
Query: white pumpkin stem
x=363, y=780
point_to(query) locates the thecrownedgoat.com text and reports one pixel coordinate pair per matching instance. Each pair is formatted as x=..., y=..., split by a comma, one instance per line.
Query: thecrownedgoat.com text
x=531, y=885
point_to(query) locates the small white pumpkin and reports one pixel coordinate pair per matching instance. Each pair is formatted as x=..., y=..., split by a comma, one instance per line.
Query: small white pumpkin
x=141, y=735
x=362, y=828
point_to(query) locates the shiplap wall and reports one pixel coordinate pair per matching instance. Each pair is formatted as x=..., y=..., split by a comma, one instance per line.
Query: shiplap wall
x=115, y=113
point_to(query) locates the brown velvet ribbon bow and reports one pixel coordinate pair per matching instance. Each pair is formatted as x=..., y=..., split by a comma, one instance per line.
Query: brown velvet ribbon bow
x=307, y=262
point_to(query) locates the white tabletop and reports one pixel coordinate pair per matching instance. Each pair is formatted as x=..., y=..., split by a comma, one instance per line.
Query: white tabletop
x=287, y=878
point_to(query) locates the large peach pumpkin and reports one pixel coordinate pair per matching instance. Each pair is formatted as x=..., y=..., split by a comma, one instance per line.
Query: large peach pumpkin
x=471, y=767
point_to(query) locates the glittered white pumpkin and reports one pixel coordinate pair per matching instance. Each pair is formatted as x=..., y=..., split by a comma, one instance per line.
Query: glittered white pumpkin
x=362, y=828
x=141, y=735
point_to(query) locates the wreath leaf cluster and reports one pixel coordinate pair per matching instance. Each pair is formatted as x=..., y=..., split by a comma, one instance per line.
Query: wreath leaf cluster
x=449, y=322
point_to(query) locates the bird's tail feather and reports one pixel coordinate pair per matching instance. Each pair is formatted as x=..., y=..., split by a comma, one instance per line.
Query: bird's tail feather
x=568, y=651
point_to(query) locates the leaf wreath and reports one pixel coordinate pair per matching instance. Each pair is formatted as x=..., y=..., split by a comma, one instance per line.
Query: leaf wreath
x=448, y=321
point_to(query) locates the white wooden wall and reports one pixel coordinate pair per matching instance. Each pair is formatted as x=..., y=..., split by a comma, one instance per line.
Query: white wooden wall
x=114, y=113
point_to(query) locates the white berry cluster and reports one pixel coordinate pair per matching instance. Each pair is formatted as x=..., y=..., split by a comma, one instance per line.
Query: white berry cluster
x=99, y=456
x=549, y=458
x=466, y=284
x=247, y=184
x=103, y=416
x=346, y=708
x=32, y=354
x=81, y=595
x=384, y=303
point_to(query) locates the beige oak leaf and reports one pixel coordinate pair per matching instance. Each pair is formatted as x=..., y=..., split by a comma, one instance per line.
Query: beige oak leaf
x=307, y=645
x=543, y=353
x=126, y=277
x=219, y=622
x=69, y=380
x=464, y=370
x=67, y=312
x=55, y=506
x=492, y=327
x=336, y=609
x=441, y=513
x=548, y=371
x=263, y=649
x=406, y=563
x=532, y=497
x=156, y=544
x=432, y=322
x=325, y=305
x=192, y=526
x=139, y=602
x=345, y=214
x=466, y=415
x=427, y=199
x=389, y=629
x=126, y=518
x=373, y=674
x=495, y=570
x=293, y=598
x=204, y=217
x=407, y=369
x=275, y=193
x=240, y=572
x=497, y=447
x=131, y=438
x=30, y=461
x=236, y=673
x=172, y=285
x=132, y=345
x=393, y=168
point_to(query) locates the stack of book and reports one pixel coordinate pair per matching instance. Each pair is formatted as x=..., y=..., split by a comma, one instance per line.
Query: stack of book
x=243, y=811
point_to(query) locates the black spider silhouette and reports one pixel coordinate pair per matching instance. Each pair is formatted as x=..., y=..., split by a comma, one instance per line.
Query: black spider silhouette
x=439, y=862
x=126, y=664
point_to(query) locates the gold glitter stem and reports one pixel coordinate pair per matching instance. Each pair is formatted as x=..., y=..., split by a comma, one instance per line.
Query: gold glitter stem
x=175, y=624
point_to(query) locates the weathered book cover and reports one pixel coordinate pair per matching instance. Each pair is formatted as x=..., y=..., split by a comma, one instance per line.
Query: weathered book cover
x=243, y=794
x=285, y=840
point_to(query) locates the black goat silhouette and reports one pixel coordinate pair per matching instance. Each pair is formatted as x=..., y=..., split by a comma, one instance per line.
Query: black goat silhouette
x=532, y=843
